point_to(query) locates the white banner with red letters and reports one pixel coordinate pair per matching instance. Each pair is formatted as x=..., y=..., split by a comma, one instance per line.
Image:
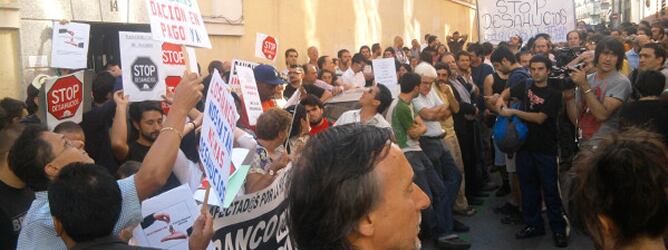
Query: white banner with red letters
x=178, y=22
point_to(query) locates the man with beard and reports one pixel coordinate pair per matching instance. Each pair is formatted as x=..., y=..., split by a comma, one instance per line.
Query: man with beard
x=146, y=119
x=315, y=110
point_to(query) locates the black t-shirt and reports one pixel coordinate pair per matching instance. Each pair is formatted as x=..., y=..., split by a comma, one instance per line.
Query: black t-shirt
x=542, y=137
x=310, y=88
x=647, y=114
x=499, y=84
x=137, y=152
x=96, y=124
x=14, y=204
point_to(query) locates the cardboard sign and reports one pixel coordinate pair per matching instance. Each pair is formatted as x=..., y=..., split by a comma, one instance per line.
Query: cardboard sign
x=385, y=72
x=255, y=221
x=64, y=99
x=215, y=145
x=178, y=22
x=143, y=78
x=266, y=47
x=69, y=47
x=167, y=220
x=251, y=96
x=499, y=19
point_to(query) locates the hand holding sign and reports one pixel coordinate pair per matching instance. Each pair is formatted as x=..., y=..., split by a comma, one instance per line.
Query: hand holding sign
x=188, y=93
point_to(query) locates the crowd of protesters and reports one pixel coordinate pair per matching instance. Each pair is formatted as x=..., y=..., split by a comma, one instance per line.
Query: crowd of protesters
x=392, y=172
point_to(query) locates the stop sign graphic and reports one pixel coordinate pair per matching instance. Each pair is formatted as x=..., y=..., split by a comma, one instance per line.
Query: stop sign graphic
x=269, y=47
x=144, y=73
x=64, y=97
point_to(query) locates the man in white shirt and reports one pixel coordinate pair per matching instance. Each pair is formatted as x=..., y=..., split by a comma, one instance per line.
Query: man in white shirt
x=354, y=74
x=374, y=102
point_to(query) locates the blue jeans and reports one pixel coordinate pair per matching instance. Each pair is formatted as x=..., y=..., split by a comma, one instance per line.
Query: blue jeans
x=535, y=171
x=445, y=165
x=436, y=218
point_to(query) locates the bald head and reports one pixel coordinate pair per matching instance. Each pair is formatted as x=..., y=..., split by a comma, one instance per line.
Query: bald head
x=398, y=42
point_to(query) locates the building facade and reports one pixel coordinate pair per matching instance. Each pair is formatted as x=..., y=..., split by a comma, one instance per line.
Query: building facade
x=26, y=26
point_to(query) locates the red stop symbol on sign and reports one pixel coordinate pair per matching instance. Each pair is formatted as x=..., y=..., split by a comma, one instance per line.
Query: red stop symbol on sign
x=269, y=47
x=65, y=97
x=171, y=82
x=172, y=54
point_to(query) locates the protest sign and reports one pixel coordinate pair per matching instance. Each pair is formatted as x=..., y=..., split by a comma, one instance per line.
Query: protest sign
x=167, y=220
x=500, y=19
x=178, y=22
x=215, y=145
x=255, y=221
x=234, y=78
x=385, y=72
x=266, y=46
x=64, y=99
x=250, y=94
x=174, y=63
x=140, y=62
x=69, y=47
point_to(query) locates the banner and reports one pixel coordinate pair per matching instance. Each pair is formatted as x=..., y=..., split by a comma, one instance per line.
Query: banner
x=251, y=96
x=167, y=220
x=178, y=22
x=143, y=78
x=64, y=99
x=385, y=72
x=69, y=46
x=255, y=221
x=266, y=47
x=501, y=19
x=217, y=135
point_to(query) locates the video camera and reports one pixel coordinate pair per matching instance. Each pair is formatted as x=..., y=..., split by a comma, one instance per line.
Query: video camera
x=566, y=55
x=560, y=77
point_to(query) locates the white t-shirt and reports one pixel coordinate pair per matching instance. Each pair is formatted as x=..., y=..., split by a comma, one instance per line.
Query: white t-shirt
x=356, y=79
x=353, y=116
x=431, y=100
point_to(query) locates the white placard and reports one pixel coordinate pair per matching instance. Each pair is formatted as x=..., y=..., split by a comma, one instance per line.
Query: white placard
x=64, y=99
x=234, y=78
x=69, y=47
x=217, y=135
x=266, y=47
x=250, y=94
x=499, y=20
x=385, y=72
x=141, y=61
x=167, y=220
x=178, y=22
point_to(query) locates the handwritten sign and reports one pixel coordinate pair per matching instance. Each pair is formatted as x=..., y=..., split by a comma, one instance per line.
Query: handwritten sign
x=250, y=94
x=70, y=45
x=234, y=74
x=255, y=221
x=501, y=19
x=178, y=22
x=215, y=145
x=385, y=72
x=64, y=99
x=266, y=46
x=167, y=220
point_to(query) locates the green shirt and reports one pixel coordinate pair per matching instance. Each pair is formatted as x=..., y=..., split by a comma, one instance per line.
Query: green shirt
x=402, y=118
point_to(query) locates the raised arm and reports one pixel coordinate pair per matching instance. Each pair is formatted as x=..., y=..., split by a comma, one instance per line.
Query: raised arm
x=159, y=160
x=119, y=128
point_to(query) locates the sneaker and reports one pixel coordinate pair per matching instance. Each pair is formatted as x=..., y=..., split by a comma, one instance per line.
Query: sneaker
x=470, y=211
x=460, y=227
x=513, y=219
x=507, y=209
x=560, y=240
x=529, y=232
x=454, y=243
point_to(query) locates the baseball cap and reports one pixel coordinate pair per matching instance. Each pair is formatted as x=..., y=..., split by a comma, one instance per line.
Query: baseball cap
x=267, y=74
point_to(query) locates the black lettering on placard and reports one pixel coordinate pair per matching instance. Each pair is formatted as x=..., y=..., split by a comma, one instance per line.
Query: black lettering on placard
x=523, y=17
x=144, y=73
